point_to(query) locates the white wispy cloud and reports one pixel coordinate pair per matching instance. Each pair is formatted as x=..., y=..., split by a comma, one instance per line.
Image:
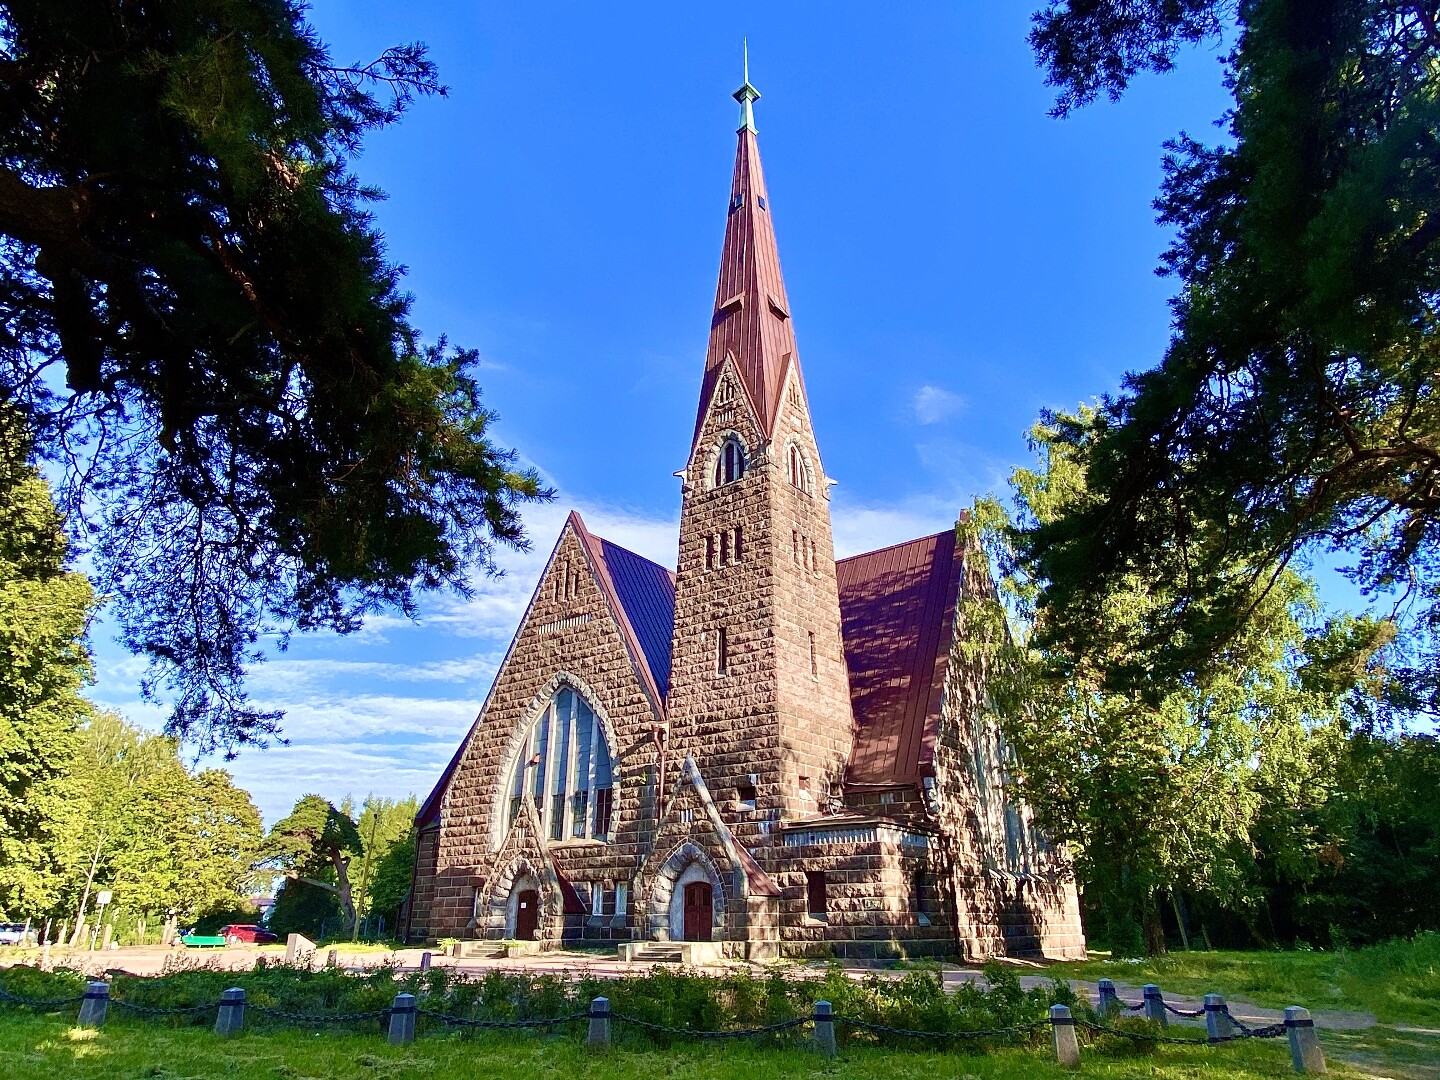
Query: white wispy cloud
x=932, y=404
x=859, y=528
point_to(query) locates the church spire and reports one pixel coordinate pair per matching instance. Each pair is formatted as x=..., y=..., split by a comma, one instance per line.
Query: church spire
x=751, y=323
x=747, y=94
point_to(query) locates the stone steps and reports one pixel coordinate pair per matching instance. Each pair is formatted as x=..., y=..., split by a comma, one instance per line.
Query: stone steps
x=669, y=952
x=658, y=954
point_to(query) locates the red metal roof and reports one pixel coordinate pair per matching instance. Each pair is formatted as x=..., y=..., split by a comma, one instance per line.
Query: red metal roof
x=644, y=593
x=752, y=316
x=897, y=610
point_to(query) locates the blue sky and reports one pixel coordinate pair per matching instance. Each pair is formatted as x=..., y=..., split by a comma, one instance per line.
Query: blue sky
x=955, y=259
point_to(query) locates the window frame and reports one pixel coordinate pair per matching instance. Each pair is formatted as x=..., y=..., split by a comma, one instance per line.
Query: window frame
x=798, y=468
x=729, y=468
x=554, y=793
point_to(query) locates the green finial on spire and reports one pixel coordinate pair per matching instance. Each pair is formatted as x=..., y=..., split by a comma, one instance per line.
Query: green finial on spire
x=747, y=94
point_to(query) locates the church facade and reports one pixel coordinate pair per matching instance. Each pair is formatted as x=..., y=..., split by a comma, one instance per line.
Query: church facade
x=768, y=749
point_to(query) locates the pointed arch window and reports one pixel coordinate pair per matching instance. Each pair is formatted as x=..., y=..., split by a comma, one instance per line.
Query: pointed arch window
x=799, y=470
x=730, y=463
x=564, y=763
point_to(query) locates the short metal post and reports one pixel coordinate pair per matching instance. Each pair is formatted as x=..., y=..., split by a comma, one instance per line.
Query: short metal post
x=824, y=1021
x=230, y=1017
x=1305, y=1052
x=425, y=961
x=94, y=1004
x=1062, y=1028
x=402, y=1020
x=1155, y=1005
x=1109, y=999
x=599, y=1037
x=1218, y=1025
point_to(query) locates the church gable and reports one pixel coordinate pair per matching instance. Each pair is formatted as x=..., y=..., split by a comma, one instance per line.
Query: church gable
x=575, y=636
x=729, y=411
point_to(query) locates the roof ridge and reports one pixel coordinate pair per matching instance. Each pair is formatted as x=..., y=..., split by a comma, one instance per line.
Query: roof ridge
x=632, y=551
x=898, y=544
x=589, y=543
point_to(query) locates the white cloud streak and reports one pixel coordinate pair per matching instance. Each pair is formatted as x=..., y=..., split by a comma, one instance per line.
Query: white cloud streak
x=933, y=404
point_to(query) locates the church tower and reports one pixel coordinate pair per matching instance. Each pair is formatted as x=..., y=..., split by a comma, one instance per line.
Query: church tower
x=759, y=696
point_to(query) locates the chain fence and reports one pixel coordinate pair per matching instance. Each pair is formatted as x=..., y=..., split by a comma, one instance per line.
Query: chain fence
x=990, y=1033
x=1238, y=1030
x=450, y=1020
x=695, y=1033
x=39, y=1003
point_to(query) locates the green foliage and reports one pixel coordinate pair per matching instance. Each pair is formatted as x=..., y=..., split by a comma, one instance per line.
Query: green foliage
x=315, y=844
x=394, y=871
x=386, y=827
x=1376, y=873
x=252, y=430
x=44, y=1047
x=44, y=610
x=1397, y=981
x=1160, y=787
x=1294, y=411
x=302, y=908
x=675, y=999
x=158, y=836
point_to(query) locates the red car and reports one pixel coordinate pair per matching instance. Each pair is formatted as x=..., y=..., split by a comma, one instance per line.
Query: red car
x=246, y=934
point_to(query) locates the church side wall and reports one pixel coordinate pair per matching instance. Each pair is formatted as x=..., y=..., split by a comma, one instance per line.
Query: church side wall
x=1010, y=894
x=568, y=629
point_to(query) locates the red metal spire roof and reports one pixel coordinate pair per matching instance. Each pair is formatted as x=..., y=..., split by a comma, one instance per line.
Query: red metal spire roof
x=752, y=316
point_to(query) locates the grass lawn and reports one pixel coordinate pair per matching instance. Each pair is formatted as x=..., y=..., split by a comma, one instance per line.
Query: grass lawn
x=1399, y=981
x=47, y=1047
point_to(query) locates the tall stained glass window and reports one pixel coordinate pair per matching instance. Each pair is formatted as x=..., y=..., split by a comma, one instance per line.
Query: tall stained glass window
x=564, y=762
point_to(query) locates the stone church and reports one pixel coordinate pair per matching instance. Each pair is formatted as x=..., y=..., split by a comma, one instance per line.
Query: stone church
x=767, y=752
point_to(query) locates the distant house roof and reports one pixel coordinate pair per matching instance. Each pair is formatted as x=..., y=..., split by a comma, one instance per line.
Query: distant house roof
x=897, y=612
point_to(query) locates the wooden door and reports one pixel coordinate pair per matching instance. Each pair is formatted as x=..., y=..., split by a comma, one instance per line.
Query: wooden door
x=699, y=911
x=527, y=915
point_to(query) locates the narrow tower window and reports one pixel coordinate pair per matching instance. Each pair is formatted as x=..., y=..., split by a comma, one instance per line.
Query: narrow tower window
x=722, y=658
x=710, y=551
x=736, y=547
x=814, y=665
x=730, y=465
x=799, y=470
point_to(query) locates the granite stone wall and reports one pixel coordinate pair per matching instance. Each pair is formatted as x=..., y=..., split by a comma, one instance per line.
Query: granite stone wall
x=569, y=636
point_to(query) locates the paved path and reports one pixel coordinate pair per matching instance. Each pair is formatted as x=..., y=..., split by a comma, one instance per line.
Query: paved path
x=153, y=959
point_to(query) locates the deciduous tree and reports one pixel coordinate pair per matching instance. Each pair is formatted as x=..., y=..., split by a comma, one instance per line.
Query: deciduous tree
x=44, y=609
x=1158, y=790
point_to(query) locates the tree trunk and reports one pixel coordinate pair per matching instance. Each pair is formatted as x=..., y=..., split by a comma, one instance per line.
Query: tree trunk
x=342, y=880
x=1154, y=930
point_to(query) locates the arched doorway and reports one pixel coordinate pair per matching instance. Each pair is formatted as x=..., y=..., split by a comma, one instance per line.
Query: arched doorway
x=699, y=910
x=527, y=914
x=522, y=908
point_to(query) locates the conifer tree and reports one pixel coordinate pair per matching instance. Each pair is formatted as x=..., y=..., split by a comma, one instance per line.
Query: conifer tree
x=199, y=323
x=1294, y=412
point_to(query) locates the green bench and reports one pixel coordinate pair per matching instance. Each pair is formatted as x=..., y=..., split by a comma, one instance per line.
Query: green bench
x=203, y=941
